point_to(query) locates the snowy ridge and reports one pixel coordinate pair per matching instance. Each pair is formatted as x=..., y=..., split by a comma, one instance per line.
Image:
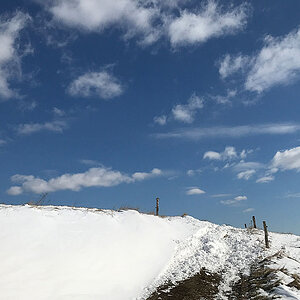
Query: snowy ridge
x=63, y=253
x=216, y=248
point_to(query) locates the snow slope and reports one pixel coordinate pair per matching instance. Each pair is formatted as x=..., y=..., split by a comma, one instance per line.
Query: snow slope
x=63, y=253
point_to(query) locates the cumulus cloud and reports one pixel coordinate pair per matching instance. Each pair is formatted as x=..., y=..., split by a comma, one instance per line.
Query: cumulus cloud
x=234, y=201
x=287, y=160
x=101, y=84
x=10, y=58
x=194, y=191
x=277, y=63
x=30, y=128
x=132, y=17
x=198, y=133
x=209, y=22
x=94, y=177
x=150, y=20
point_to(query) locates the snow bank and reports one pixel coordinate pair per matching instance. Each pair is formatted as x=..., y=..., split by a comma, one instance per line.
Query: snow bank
x=65, y=253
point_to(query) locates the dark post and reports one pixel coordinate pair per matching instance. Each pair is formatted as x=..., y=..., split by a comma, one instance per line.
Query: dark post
x=246, y=226
x=266, y=234
x=254, y=222
x=157, y=206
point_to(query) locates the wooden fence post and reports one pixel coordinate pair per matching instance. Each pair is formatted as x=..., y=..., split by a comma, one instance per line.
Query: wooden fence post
x=266, y=234
x=157, y=206
x=254, y=222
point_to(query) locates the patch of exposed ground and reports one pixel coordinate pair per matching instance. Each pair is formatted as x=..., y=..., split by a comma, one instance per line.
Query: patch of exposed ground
x=204, y=285
x=259, y=285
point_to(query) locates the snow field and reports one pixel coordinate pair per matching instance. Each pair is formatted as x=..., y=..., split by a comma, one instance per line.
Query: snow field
x=62, y=253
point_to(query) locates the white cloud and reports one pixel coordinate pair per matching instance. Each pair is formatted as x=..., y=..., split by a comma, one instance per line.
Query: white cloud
x=10, y=65
x=197, y=133
x=27, y=105
x=94, y=177
x=231, y=64
x=138, y=176
x=161, y=120
x=265, y=179
x=220, y=195
x=212, y=155
x=292, y=195
x=247, y=210
x=186, y=113
x=102, y=84
x=58, y=112
x=209, y=22
x=182, y=112
x=55, y=126
x=193, y=172
x=225, y=99
x=90, y=162
x=234, y=201
x=151, y=19
x=2, y=142
x=133, y=17
x=228, y=154
x=287, y=160
x=246, y=174
x=277, y=63
x=194, y=191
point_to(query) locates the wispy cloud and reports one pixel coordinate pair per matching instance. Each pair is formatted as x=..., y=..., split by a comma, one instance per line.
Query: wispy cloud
x=246, y=174
x=265, y=179
x=194, y=191
x=197, y=133
x=292, y=195
x=220, y=195
x=94, y=177
x=277, y=63
x=234, y=201
x=90, y=162
x=193, y=172
x=161, y=120
x=2, y=142
x=247, y=210
x=100, y=84
x=30, y=128
x=10, y=58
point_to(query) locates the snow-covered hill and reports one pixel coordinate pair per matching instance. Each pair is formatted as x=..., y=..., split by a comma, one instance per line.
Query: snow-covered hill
x=59, y=253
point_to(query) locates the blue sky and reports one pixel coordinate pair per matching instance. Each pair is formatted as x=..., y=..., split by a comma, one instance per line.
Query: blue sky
x=112, y=103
